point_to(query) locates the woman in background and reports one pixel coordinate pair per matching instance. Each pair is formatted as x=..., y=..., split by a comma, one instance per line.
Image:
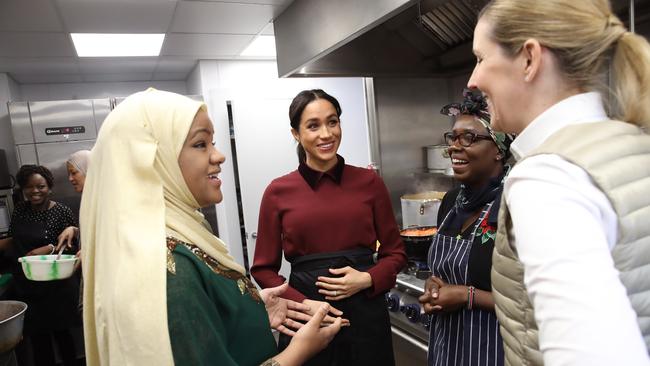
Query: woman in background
x=326, y=217
x=52, y=305
x=77, y=166
x=464, y=327
x=159, y=287
x=570, y=268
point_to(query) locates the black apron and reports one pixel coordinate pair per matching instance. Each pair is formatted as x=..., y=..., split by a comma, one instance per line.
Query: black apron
x=368, y=340
x=52, y=305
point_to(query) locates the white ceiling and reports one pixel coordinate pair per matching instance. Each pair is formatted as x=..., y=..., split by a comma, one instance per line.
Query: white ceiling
x=35, y=43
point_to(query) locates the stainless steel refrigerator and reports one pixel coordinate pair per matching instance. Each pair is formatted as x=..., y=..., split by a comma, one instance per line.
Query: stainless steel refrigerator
x=46, y=133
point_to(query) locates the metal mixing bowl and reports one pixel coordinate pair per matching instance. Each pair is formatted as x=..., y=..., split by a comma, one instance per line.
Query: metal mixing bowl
x=12, y=315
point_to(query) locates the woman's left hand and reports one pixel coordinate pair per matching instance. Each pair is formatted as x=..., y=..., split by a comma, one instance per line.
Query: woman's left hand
x=339, y=288
x=66, y=237
x=44, y=250
x=450, y=297
x=284, y=315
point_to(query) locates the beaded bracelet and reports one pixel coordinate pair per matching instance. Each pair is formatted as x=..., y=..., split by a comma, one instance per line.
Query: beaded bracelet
x=470, y=297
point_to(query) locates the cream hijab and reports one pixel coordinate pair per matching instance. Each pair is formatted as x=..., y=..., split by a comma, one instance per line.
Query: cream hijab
x=134, y=196
x=79, y=160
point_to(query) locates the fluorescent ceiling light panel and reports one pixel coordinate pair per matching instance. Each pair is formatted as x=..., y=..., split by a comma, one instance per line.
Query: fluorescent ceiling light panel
x=261, y=46
x=117, y=45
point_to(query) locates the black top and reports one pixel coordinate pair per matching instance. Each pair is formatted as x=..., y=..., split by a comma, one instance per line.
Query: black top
x=55, y=219
x=480, y=255
x=52, y=305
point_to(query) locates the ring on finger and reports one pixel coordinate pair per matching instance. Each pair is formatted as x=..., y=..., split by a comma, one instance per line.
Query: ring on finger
x=335, y=293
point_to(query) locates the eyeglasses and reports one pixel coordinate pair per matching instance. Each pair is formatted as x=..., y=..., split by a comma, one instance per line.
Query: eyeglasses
x=465, y=139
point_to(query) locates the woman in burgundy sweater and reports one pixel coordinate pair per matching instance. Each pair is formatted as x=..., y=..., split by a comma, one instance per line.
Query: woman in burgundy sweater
x=326, y=217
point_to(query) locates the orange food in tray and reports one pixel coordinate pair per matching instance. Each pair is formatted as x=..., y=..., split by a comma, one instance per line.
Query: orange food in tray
x=423, y=231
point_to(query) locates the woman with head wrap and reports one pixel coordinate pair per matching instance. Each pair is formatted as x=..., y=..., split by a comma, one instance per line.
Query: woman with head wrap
x=77, y=166
x=464, y=329
x=160, y=288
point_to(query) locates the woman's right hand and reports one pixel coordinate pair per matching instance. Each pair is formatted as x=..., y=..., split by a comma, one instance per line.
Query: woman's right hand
x=6, y=243
x=44, y=250
x=314, y=305
x=310, y=339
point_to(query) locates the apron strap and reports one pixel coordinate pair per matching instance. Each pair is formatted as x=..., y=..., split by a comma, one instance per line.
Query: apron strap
x=360, y=257
x=482, y=217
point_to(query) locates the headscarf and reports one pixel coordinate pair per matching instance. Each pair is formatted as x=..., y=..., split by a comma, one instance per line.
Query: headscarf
x=135, y=196
x=474, y=104
x=79, y=160
x=469, y=200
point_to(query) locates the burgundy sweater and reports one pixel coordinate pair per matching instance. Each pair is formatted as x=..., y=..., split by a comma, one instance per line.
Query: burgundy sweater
x=307, y=212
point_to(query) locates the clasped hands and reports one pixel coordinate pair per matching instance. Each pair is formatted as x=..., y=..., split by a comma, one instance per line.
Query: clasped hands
x=288, y=316
x=440, y=296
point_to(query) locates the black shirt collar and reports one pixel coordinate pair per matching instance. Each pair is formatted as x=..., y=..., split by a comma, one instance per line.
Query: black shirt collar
x=312, y=177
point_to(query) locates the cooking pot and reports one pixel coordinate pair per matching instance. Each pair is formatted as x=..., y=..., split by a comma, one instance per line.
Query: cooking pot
x=438, y=158
x=12, y=314
x=420, y=209
x=417, y=241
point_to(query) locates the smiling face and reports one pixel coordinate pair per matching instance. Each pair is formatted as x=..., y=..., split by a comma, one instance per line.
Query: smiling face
x=476, y=164
x=500, y=77
x=76, y=178
x=36, y=190
x=200, y=162
x=319, y=133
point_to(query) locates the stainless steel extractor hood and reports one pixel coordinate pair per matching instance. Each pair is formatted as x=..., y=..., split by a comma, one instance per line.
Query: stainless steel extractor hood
x=376, y=38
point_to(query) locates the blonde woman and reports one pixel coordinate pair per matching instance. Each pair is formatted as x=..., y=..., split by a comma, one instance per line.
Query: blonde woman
x=571, y=268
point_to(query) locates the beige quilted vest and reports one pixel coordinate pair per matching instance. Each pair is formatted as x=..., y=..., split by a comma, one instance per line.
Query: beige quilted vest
x=617, y=157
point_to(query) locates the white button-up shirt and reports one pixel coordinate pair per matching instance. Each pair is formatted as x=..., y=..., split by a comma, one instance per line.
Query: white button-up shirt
x=564, y=229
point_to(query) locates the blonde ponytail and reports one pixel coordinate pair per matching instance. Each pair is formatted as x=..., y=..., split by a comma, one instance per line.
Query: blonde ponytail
x=631, y=65
x=584, y=36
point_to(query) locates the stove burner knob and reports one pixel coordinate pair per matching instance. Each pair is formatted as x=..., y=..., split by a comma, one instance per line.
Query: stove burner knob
x=392, y=302
x=412, y=312
x=426, y=321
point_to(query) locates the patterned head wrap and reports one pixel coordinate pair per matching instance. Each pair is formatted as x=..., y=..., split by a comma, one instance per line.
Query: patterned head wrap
x=474, y=104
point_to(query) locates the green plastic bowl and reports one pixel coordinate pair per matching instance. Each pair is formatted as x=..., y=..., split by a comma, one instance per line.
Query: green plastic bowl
x=47, y=267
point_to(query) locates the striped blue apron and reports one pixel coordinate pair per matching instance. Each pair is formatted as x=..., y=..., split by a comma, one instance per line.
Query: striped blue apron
x=464, y=337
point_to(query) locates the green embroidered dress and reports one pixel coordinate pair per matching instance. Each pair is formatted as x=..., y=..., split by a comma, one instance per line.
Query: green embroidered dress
x=215, y=315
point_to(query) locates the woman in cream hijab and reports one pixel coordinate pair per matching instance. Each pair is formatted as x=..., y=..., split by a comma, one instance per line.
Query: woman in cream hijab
x=160, y=288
